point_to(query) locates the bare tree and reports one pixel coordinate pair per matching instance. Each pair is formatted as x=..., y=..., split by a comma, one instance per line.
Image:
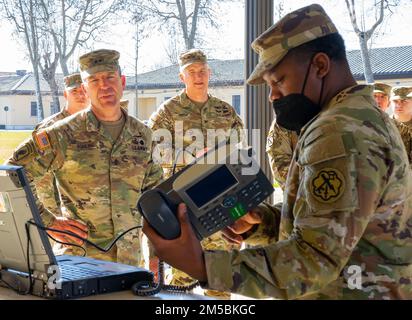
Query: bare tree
x=184, y=15
x=380, y=8
x=23, y=14
x=73, y=23
x=172, y=50
x=49, y=60
x=279, y=9
x=138, y=17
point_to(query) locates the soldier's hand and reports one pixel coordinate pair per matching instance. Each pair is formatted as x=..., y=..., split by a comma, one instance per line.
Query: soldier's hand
x=185, y=252
x=234, y=232
x=66, y=224
x=154, y=267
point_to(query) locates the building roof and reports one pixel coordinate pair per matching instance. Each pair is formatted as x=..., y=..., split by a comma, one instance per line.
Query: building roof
x=24, y=84
x=224, y=73
x=8, y=81
x=387, y=63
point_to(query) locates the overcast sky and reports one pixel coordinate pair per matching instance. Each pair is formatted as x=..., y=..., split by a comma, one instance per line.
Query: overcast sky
x=226, y=43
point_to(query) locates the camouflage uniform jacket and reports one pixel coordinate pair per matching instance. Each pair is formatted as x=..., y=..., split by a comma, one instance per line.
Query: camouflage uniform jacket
x=280, y=144
x=406, y=135
x=408, y=123
x=46, y=186
x=184, y=119
x=102, y=178
x=348, y=205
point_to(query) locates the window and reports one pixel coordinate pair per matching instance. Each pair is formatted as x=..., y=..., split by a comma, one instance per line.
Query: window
x=236, y=103
x=167, y=98
x=33, y=109
x=53, y=108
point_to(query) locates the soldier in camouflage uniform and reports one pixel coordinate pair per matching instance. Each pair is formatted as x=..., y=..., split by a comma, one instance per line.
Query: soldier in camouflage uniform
x=280, y=145
x=403, y=116
x=76, y=100
x=381, y=94
x=346, y=223
x=124, y=103
x=402, y=100
x=101, y=158
x=192, y=113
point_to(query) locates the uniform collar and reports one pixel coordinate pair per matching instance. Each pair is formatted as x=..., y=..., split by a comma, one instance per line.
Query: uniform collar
x=357, y=90
x=93, y=124
x=64, y=113
x=185, y=100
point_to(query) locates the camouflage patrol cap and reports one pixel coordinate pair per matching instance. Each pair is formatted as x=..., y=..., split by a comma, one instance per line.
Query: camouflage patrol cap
x=380, y=87
x=401, y=93
x=72, y=81
x=98, y=61
x=294, y=29
x=192, y=56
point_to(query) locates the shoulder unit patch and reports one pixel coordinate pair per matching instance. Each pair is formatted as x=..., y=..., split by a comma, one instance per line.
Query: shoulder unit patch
x=328, y=185
x=42, y=140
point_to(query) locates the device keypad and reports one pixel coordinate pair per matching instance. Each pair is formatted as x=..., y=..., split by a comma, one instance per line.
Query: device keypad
x=214, y=220
x=219, y=216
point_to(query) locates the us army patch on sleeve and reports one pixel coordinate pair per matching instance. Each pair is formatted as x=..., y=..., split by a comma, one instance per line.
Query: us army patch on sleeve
x=42, y=140
x=328, y=185
x=23, y=152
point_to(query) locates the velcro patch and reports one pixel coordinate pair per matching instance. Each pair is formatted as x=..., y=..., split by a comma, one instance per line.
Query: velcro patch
x=42, y=140
x=23, y=152
x=328, y=185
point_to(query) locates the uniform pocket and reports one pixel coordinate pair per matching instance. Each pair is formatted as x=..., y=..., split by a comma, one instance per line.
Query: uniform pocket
x=328, y=176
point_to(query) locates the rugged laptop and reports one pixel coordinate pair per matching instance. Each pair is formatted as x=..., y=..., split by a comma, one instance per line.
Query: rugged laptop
x=50, y=276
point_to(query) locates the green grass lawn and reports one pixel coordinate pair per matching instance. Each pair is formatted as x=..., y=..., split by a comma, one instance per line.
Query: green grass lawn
x=9, y=140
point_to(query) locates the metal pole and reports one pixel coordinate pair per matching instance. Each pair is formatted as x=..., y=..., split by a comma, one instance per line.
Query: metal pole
x=259, y=115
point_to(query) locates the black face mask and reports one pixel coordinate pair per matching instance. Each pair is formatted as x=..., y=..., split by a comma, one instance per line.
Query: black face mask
x=295, y=110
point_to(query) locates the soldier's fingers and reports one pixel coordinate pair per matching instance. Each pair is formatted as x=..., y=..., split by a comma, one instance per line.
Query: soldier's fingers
x=240, y=226
x=65, y=227
x=76, y=231
x=231, y=237
x=78, y=224
x=151, y=234
x=182, y=216
x=252, y=217
x=57, y=236
x=67, y=239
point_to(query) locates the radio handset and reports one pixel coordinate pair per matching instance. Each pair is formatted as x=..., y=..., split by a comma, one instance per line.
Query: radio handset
x=160, y=213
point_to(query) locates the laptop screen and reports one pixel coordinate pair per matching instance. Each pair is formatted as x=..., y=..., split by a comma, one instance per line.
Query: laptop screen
x=17, y=206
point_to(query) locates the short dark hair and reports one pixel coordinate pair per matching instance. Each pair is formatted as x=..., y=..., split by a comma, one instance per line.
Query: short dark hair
x=332, y=45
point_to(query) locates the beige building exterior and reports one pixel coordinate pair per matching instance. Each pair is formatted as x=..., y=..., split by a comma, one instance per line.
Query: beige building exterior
x=149, y=100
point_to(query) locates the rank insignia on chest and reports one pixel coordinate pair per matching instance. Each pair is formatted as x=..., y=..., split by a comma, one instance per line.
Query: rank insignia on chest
x=139, y=144
x=42, y=140
x=328, y=185
x=222, y=111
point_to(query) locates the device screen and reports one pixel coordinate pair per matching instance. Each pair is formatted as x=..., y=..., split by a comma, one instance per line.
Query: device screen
x=211, y=186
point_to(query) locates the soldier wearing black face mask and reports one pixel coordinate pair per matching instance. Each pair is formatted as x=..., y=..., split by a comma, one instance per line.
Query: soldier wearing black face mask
x=295, y=110
x=345, y=228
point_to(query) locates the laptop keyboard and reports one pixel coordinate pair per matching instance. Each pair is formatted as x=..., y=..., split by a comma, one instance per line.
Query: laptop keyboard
x=73, y=272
